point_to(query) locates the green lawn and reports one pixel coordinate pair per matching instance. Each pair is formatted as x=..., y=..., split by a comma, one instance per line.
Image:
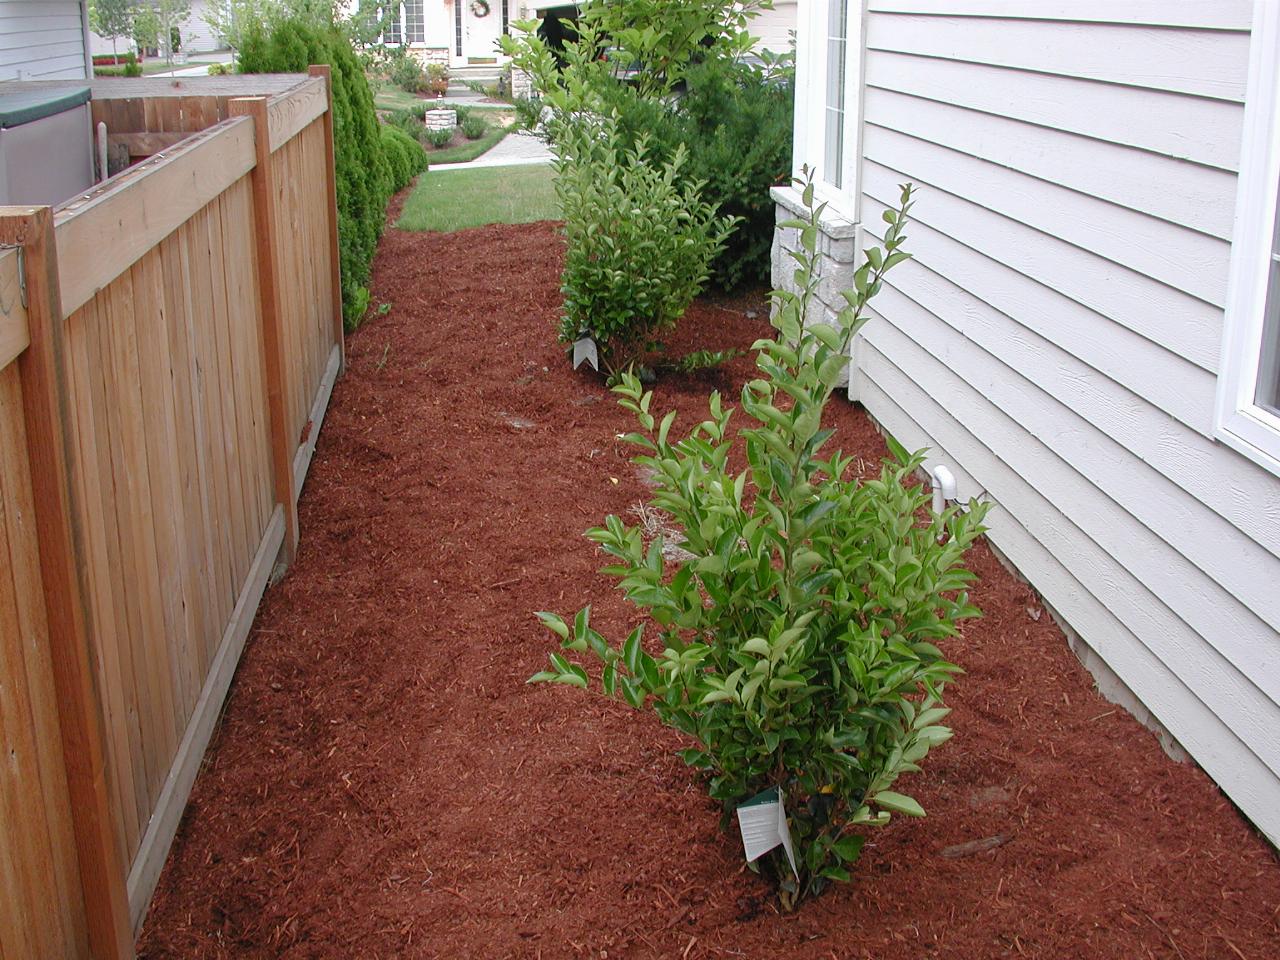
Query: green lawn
x=158, y=65
x=466, y=151
x=456, y=199
x=393, y=98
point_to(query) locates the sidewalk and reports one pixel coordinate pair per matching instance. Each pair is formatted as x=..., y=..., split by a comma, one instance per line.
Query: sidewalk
x=517, y=149
x=201, y=69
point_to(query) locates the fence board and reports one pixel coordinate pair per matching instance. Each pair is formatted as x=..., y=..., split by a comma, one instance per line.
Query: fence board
x=195, y=356
x=58, y=552
x=104, y=572
x=41, y=909
x=102, y=236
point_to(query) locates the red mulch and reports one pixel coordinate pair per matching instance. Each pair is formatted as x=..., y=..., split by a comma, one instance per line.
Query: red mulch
x=385, y=784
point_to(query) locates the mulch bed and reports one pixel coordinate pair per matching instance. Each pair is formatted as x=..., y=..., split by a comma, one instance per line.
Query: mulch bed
x=385, y=784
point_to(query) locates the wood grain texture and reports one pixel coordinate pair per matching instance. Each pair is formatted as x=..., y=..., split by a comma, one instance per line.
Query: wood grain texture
x=154, y=848
x=162, y=411
x=331, y=213
x=13, y=316
x=274, y=338
x=102, y=236
x=69, y=621
x=288, y=114
x=41, y=904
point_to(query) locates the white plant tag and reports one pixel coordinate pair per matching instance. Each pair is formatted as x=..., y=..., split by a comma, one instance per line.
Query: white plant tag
x=585, y=349
x=763, y=823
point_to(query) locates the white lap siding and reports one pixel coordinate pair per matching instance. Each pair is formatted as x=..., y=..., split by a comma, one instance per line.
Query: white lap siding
x=41, y=40
x=1057, y=336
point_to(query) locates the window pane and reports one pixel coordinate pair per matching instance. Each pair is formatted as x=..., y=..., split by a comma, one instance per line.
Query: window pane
x=413, y=22
x=393, y=23
x=1268, y=390
x=837, y=55
x=833, y=156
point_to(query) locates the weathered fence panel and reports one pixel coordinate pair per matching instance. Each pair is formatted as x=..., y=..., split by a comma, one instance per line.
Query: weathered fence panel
x=43, y=913
x=198, y=322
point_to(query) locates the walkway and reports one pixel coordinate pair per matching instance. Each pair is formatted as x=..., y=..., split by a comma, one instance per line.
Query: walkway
x=517, y=149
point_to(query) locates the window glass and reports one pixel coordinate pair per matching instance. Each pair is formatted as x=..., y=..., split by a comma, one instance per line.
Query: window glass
x=414, y=29
x=393, y=23
x=837, y=57
x=1268, y=389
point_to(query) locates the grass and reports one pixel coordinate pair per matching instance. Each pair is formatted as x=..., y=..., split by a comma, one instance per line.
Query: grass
x=466, y=151
x=159, y=66
x=447, y=200
x=393, y=98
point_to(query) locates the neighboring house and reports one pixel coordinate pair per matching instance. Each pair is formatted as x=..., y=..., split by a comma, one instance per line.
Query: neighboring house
x=196, y=34
x=465, y=33
x=1089, y=332
x=775, y=29
x=44, y=40
x=460, y=33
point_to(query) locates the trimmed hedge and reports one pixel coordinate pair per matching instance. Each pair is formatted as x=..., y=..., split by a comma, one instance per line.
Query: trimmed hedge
x=128, y=70
x=405, y=156
x=364, y=175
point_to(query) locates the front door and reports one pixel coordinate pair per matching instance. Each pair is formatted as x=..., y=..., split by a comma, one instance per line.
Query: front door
x=481, y=26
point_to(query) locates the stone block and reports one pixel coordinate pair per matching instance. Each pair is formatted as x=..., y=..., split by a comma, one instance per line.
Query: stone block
x=441, y=119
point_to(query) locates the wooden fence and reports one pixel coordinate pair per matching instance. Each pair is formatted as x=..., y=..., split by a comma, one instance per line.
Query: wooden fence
x=168, y=344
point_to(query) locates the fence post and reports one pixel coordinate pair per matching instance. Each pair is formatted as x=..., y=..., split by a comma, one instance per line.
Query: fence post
x=267, y=238
x=46, y=411
x=331, y=185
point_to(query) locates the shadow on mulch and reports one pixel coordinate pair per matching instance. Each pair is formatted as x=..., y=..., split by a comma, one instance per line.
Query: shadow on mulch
x=384, y=783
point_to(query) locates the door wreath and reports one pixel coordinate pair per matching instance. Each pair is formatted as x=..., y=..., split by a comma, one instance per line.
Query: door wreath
x=479, y=8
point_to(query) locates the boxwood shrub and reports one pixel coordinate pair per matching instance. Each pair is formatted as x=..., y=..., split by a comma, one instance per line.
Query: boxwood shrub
x=364, y=177
x=405, y=156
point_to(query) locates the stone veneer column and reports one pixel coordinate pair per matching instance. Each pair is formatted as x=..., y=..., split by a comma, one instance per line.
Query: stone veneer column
x=837, y=256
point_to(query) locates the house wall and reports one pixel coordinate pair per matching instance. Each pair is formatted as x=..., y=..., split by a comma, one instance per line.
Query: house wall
x=41, y=40
x=773, y=28
x=197, y=36
x=1057, y=336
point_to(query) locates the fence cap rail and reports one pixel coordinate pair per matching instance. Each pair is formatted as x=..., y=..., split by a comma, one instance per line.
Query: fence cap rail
x=103, y=232
x=124, y=88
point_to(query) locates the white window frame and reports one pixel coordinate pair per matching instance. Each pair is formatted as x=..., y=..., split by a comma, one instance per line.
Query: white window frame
x=808, y=145
x=1239, y=421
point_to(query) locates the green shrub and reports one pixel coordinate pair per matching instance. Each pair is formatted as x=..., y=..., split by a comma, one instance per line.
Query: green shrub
x=406, y=120
x=404, y=156
x=733, y=119
x=290, y=45
x=127, y=70
x=438, y=138
x=218, y=70
x=528, y=112
x=407, y=74
x=736, y=124
x=638, y=240
x=798, y=637
x=474, y=127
